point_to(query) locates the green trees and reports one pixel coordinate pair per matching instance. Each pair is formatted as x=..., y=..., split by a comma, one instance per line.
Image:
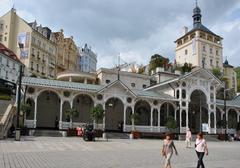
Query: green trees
x=70, y=113
x=185, y=68
x=217, y=72
x=158, y=61
x=171, y=124
x=97, y=113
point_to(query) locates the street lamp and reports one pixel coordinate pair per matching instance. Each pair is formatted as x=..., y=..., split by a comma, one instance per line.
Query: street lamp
x=18, y=130
x=225, y=108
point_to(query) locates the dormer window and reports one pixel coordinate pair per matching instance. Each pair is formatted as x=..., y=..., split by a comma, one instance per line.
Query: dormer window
x=133, y=84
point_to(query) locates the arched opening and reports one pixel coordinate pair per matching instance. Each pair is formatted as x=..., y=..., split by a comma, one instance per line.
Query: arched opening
x=143, y=109
x=83, y=104
x=66, y=106
x=232, y=119
x=128, y=115
x=30, y=113
x=167, y=110
x=198, y=111
x=48, y=110
x=114, y=114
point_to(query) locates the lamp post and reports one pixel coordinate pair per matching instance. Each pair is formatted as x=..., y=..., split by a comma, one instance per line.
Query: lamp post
x=225, y=109
x=200, y=110
x=18, y=130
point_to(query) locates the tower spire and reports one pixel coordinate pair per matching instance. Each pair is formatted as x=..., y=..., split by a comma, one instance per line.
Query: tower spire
x=197, y=17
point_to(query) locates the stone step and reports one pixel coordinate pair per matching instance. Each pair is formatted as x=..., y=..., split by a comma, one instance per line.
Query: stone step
x=208, y=137
x=114, y=135
x=47, y=133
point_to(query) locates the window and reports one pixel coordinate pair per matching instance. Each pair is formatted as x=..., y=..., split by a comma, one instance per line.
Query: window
x=31, y=65
x=1, y=26
x=217, y=64
x=33, y=52
x=204, y=48
x=144, y=86
x=14, y=66
x=37, y=68
x=211, y=62
x=0, y=59
x=216, y=52
x=5, y=38
x=211, y=50
x=184, y=94
x=133, y=84
x=6, y=75
x=108, y=81
x=186, y=52
x=7, y=62
x=1, y=36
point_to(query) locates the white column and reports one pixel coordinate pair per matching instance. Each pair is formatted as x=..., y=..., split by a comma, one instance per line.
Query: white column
x=35, y=112
x=151, y=119
x=180, y=118
x=133, y=124
x=124, y=118
x=70, y=79
x=104, y=119
x=61, y=114
x=85, y=80
x=71, y=122
x=187, y=124
x=209, y=118
x=159, y=127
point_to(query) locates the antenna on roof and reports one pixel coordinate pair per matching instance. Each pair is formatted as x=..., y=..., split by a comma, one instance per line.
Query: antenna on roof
x=196, y=1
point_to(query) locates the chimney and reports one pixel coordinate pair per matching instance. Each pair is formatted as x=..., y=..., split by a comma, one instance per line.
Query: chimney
x=185, y=30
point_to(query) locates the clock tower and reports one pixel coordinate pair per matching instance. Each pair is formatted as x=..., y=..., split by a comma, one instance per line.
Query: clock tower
x=199, y=46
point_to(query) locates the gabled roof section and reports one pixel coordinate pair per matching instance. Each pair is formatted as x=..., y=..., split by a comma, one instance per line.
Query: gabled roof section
x=153, y=95
x=60, y=84
x=9, y=53
x=116, y=82
x=192, y=73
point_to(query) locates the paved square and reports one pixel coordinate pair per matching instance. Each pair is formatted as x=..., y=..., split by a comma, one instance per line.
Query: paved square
x=52, y=152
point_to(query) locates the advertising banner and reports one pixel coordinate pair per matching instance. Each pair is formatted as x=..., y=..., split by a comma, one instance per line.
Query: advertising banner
x=23, y=40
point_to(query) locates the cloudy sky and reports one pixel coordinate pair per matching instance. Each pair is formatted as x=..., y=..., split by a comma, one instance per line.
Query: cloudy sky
x=135, y=29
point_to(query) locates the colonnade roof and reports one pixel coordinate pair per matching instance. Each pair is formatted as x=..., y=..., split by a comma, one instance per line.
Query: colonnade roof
x=30, y=81
x=231, y=103
x=56, y=84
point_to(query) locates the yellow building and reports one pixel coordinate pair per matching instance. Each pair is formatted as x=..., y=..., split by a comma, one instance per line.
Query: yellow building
x=67, y=52
x=230, y=76
x=199, y=46
x=32, y=43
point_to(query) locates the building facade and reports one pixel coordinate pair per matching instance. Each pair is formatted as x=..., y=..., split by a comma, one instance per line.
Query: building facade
x=67, y=52
x=9, y=67
x=87, y=60
x=230, y=76
x=31, y=42
x=199, y=46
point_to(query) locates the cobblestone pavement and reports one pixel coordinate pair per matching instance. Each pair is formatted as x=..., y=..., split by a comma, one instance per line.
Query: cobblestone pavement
x=53, y=152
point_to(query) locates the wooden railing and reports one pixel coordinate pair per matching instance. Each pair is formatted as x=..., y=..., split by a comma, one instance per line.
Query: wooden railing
x=6, y=121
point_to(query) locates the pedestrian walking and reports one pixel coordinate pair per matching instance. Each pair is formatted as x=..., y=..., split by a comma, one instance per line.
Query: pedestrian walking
x=188, y=138
x=201, y=149
x=167, y=150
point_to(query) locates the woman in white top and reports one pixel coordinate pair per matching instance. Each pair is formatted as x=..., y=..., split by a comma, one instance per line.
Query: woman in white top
x=201, y=148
